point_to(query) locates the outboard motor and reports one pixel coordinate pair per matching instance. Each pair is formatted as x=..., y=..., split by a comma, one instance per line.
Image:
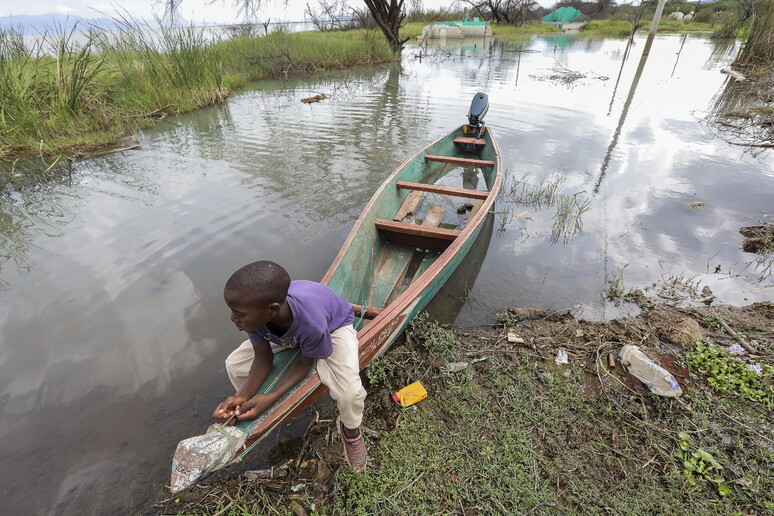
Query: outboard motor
x=476, y=113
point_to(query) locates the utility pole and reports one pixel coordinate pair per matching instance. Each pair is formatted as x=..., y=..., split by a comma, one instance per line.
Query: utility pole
x=654, y=26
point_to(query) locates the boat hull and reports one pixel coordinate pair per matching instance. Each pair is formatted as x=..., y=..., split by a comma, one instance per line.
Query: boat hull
x=377, y=336
x=354, y=274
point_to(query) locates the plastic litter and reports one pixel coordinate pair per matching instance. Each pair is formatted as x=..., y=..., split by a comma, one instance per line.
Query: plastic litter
x=410, y=394
x=561, y=357
x=459, y=366
x=201, y=455
x=659, y=380
x=515, y=339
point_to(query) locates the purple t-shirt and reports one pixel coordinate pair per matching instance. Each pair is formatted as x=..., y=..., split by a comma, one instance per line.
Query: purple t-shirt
x=317, y=312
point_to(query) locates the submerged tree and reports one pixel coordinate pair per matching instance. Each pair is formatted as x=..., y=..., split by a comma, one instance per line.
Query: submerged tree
x=389, y=16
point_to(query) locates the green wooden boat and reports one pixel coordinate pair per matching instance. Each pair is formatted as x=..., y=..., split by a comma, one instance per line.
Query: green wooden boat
x=408, y=240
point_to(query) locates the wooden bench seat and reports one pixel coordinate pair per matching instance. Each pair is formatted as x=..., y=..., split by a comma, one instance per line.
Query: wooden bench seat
x=444, y=190
x=460, y=161
x=414, y=235
x=467, y=140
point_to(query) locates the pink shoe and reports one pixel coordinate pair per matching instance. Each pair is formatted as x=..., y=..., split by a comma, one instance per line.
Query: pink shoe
x=354, y=449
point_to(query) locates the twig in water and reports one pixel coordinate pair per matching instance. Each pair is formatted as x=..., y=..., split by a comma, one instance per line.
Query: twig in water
x=102, y=153
x=155, y=111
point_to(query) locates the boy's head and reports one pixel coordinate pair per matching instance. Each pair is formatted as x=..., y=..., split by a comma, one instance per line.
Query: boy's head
x=255, y=293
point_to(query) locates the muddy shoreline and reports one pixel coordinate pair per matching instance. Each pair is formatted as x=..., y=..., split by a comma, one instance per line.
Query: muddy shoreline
x=304, y=475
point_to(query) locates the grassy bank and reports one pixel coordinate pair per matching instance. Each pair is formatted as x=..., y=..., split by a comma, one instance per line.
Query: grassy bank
x=623, y=28
x=531, y=27
x=414, y=29
x=518, y=434
x=71, y=93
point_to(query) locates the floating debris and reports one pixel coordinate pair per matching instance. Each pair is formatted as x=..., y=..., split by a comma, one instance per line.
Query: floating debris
x=316, y=98
x=758, y=239
x=738, y=77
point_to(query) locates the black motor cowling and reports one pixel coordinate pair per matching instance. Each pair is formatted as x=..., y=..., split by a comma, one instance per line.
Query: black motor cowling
x=478, y=108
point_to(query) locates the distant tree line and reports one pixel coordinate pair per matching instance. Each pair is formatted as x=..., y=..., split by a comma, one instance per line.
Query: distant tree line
x=390, y=15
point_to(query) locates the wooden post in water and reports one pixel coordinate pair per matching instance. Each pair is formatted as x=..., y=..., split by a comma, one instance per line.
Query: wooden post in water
x=654, y=26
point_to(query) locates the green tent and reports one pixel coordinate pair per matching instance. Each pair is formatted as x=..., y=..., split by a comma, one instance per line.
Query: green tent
x=562, y=15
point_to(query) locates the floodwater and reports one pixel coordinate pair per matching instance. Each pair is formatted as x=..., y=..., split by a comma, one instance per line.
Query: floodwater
x=113, y=329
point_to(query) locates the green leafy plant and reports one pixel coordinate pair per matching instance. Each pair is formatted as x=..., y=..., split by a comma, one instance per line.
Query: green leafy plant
x=698, y=465
x=508, y=318
x=731, y=374
x=714, y=323
x=380, y=370
x=433, y=337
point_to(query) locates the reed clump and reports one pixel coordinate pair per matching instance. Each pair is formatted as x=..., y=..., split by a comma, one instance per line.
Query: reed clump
x=759, y=49
x=80, y=89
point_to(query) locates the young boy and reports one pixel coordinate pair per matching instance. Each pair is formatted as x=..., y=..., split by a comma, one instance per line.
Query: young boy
x=278, y=313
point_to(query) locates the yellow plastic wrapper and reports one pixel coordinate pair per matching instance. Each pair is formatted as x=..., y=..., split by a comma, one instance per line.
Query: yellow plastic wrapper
x=410, y=394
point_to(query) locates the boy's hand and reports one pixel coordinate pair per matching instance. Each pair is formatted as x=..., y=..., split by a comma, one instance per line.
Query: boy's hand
x=254, y=407
x=228, y=408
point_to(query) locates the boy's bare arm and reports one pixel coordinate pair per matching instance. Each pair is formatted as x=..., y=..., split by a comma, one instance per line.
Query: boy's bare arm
x=255, y=406
x=259, y=370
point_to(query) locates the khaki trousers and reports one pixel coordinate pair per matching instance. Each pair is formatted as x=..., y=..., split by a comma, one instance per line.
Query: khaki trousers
x=340, y=372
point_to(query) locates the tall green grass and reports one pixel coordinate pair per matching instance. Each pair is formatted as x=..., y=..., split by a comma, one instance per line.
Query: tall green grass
x=72, y=91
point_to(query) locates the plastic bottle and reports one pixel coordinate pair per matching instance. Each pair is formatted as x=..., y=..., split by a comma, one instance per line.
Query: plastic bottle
x=410, y=394
x=561, y=357
x=459, y=366
x=659, y=380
